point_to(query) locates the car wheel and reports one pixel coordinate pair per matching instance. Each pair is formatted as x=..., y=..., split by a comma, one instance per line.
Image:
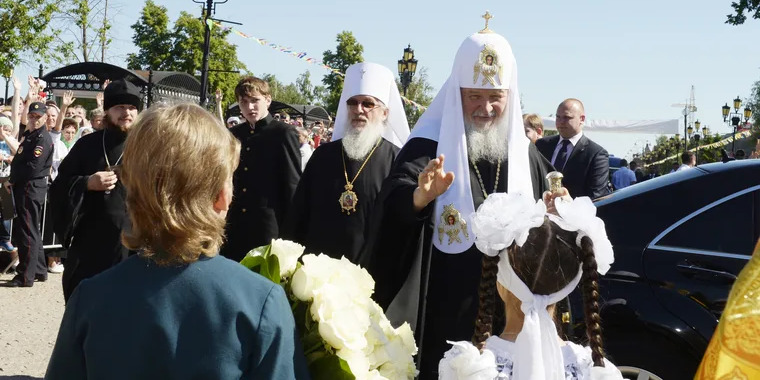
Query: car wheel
x=633, y=373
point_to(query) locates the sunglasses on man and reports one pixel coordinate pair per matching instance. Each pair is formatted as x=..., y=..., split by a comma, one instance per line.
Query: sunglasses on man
x=367, y=105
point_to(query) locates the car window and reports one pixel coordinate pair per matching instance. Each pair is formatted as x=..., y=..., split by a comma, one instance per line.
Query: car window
x=729, y=227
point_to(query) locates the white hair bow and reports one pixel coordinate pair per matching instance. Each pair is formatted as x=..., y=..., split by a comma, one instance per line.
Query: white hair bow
x=504, y=218
x=579, y=215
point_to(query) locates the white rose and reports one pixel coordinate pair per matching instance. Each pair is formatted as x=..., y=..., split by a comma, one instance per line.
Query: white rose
x=464, y=361
x=356, y=361
x=287, y=253
x=313, y=274
x=343, y=322
x=374, y=375
x=319, y=270
x=399, y=370
x=356, y=279
x=393, y=359
x=407, y=338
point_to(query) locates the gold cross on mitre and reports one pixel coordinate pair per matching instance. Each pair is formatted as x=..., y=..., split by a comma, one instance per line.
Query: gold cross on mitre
x=488, y=17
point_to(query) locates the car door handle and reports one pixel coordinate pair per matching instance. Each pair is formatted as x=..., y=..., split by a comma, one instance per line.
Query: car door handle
x=696, y=269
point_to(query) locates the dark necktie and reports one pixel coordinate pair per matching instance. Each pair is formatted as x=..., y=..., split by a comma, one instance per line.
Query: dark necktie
x=559, y=162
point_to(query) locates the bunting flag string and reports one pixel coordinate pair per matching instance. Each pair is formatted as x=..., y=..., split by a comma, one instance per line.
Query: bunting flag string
x=717, y=144
x=300, y=55
x=283, y=49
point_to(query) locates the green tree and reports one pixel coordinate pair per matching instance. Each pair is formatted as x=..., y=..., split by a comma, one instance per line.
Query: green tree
x=87, y=25
x=347, y=52
x=748, y=6
x=153, y=39
x=754, y=104
x=182, y=49
x=312, y=94
x=419, y=91
x=283, y=93
x=25, y=27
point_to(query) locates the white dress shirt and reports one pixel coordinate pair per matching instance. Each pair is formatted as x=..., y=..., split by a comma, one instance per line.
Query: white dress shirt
x=573, y=141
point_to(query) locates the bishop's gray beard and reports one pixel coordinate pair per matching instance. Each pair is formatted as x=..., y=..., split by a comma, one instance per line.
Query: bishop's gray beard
x=488, y=145
x=358, y=144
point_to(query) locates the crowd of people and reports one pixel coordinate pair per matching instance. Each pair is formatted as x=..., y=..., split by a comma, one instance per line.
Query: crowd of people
x=457, y=222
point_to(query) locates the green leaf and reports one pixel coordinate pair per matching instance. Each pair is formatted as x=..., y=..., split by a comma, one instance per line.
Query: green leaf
x=262, y=261
x=329, y=367
x=272, y=268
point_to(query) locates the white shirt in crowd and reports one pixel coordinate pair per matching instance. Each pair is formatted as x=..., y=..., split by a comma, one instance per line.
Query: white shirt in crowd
x=59, y=153
x=306, y=151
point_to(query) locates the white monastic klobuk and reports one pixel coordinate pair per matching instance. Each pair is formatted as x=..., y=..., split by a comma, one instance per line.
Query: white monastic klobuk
x=374, y=80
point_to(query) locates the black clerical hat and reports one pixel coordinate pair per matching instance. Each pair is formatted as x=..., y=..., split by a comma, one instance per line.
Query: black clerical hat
x=122, y=92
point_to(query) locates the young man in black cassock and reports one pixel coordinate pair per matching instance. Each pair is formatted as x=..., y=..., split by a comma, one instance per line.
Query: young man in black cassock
x=469, y=143
x=89, y=198
x=28, y=183
x=267, y=176
x=334, y=200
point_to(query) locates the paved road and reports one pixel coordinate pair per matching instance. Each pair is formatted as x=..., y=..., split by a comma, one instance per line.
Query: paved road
x=29, y=321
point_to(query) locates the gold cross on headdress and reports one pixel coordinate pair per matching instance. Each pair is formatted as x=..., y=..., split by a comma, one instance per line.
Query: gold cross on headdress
x=488, y=17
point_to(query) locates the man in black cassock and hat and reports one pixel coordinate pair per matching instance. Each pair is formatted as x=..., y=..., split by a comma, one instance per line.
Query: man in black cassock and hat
x=334, y=200
x=267, y=176
x=469, y=143
x=89, y=198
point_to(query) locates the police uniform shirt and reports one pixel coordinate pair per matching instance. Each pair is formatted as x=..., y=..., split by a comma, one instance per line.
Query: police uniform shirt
x=34, y=156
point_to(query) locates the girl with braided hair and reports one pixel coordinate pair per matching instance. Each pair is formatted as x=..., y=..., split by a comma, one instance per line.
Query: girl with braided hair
x=533, y=260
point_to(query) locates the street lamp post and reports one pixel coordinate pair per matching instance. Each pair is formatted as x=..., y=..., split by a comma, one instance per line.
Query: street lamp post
x=407, y=66
x=696, y=141
x=736, y=118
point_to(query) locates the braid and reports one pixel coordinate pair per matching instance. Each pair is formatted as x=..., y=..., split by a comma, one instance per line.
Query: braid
x=486, y=296
x=591, y=301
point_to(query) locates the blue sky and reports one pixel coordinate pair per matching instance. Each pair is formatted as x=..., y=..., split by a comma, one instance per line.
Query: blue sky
x=625, y=60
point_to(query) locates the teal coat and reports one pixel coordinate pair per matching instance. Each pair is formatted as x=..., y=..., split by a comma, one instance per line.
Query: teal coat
x=212, y=319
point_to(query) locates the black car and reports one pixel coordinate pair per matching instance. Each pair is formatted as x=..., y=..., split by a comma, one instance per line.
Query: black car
x=680, y=241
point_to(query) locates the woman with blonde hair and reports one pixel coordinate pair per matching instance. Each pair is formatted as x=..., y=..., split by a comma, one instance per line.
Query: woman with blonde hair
x=177, y=309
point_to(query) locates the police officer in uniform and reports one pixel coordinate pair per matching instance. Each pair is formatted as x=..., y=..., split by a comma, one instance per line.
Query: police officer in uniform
x=28, y=182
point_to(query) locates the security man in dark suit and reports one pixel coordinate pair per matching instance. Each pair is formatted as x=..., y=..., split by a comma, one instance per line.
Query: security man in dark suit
x=584, y=163
x=28, y=182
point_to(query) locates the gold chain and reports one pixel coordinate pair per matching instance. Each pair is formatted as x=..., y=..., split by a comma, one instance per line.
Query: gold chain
x=480, y=179
x=350, y=185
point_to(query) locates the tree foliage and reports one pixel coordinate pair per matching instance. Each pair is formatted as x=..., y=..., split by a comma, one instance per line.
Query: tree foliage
x=283, y=93
x=312, y=94
x=754, y=104
x=750, y=7
x=181, y=49
x=347, y=52
x=666, y=147
x=153, y=39
x=419, y=91
x=25, y=30
x=86, y=25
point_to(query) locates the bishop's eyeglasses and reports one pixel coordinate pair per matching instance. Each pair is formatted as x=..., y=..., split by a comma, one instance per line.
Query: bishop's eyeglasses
x=367, y=105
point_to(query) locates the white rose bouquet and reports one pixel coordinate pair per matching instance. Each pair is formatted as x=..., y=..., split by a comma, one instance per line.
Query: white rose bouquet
x=345, y=334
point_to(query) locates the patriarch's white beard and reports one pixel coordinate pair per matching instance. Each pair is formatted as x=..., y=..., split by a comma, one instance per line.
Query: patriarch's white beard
x=487, y=144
